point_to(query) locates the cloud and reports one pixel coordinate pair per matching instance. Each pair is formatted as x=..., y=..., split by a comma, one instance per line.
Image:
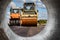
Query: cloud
x=39, y=0
x=41, y=5
x=34, y=0
x=42, y=15
x=12, y=4
x=28, y=0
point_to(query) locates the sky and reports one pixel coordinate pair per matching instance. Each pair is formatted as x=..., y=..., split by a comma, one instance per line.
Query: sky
x=42, y=14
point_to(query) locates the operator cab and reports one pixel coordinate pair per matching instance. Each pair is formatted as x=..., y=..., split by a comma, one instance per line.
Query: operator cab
x=29, y=8
x=15, y=10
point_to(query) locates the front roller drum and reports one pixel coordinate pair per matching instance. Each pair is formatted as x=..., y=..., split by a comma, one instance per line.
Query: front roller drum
x=29, y=22
x=14, y=23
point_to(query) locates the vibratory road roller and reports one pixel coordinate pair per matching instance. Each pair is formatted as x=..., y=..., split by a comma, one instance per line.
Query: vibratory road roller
x=29, y=15
x=15, y=15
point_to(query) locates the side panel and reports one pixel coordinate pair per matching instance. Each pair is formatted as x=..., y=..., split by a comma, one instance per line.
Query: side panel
x=15, y=15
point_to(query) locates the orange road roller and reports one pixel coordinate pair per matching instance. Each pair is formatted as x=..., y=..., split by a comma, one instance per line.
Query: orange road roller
x=15, y=14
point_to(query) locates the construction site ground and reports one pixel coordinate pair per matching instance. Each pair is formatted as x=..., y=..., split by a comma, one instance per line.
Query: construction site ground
x=27, y=31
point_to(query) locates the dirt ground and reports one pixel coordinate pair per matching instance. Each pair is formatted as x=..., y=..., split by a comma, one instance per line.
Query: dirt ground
x=27, y=31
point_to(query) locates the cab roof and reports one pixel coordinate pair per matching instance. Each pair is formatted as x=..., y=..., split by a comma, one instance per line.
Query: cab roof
x=29, y=3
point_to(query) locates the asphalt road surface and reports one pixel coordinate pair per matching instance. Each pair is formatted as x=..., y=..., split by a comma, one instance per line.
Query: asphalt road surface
x=27, y=31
